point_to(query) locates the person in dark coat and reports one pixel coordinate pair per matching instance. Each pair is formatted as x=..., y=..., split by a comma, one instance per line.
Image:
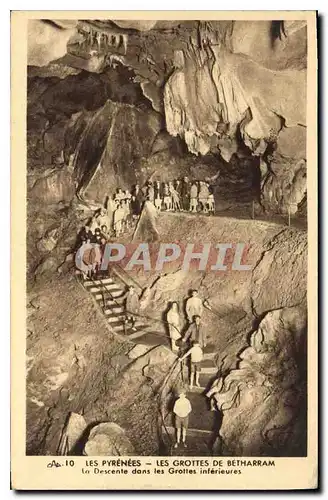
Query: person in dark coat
x=132, y=306
x=195, y=333
x=84, y=235
x=185, y=193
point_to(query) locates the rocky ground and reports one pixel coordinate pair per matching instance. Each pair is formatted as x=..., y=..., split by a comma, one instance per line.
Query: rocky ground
x=75, y=364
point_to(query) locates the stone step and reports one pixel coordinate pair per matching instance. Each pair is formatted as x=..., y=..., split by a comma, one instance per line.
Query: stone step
x=113, y=309
x=209, y=355
x=208, y=367
x=115, y=293
x=115, y=318
x=122, y=328
x=197, y=389
x=209, y=349
x=106, y=282
x=209, y=370
x=118, y=302
x=119, y=328
x=110, y=289
x=206, y=379
x=190, y=432
x=201, y=416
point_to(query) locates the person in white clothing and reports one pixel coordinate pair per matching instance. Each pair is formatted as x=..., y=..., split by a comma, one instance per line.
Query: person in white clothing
x=174, y=324
x=196, y=357
x=194, y=306
x=211, y=203
x=182, y=409
x=158, y=202
x=119, y=215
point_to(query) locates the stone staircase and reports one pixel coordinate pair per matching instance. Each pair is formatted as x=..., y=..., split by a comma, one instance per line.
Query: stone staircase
x=202, y=421
x=109, y=293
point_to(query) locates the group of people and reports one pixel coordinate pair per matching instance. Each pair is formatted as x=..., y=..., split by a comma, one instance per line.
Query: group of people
x=193, y=337
x=181, y=195
x=190, y=345
x=124, y=207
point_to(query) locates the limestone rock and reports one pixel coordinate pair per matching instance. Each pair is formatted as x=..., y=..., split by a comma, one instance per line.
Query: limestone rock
x=55, y=186
x=263, y=400
x=108, y=439
x=47, y=267
x=72, y=433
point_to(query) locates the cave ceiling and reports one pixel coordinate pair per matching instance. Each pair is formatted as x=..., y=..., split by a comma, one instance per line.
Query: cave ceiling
x=217, y=84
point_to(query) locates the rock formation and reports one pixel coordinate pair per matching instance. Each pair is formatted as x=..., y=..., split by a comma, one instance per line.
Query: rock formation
x=263, y=399
x=222, y=86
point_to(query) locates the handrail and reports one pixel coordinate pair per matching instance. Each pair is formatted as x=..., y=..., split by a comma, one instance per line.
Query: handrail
x=116, y=265
x=170, y=371
x=136, y=314
x=167, y=378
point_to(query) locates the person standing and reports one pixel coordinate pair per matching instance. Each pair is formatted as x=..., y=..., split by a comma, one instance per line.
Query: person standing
x=84, y=235
x=194, y=306
x=193, y=197
x=132, y=306
x=138, y=199
x=196, y=357
x=211, y=204
x=194, y=333
x=157, y=189
x=203, y=196
x=150, y=192
x=167, y=200
x=119, y=215
x=185, y=194
x=175, y=198
x=174, y=323
x=182, y=409
x=102, y=218
x=135, y=207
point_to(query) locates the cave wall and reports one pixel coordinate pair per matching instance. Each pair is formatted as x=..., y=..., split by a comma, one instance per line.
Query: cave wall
x=218, y=84
x=263, y=401
x=257, y=322
x=245, y=81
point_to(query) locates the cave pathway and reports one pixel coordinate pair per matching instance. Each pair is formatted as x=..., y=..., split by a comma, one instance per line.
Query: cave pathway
x=203, y=429
x=109, y=295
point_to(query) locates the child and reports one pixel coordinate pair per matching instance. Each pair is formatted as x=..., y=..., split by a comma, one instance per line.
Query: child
x=210, y=203
x=158, y=202
x=196, y=356
x=181, y=410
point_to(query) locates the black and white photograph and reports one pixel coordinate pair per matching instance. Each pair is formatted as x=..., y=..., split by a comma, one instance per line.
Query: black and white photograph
x=167, y=215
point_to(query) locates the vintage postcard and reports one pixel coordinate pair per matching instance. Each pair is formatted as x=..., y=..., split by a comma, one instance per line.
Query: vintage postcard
x=164, y=250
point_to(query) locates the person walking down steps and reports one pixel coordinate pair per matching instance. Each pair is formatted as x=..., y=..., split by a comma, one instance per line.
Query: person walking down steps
x=132, y=305
x=194, y=332
x=174, y=324
x=194, y=306
x=196, y=357
x=182, y=409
